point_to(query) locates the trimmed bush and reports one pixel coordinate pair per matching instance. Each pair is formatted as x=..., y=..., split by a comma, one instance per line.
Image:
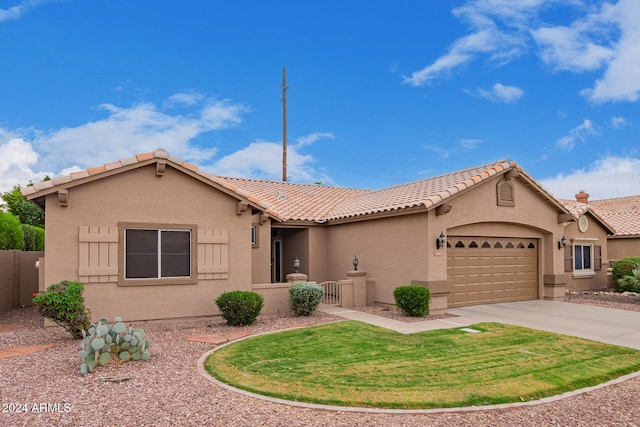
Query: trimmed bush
x=240, y=308
x=623, y=268
x=630, y=282
x=64, y=304
x=11, y=236
x=33, y=238
x=412, y=300
x=304, y=298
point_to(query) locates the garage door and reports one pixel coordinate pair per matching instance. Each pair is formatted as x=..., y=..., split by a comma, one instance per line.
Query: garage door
x=491, y=270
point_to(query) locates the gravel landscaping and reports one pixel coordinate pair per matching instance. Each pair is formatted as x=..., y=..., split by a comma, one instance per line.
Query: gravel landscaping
x=45, y=389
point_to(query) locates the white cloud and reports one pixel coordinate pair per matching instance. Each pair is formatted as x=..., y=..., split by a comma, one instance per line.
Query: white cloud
x=620, y=80
x=605, y=39
x=619, y=122
x=606, y=178
x=469, y=143
x=183, y=99
x=496, y=30
x=263, y=160
x=142, y=128
x=311, y=138
x=136, y=129
x=26, y=154
x=463, y=144
x=502, y=93
x=17, y=159
x=578, y=133
x=16, y=12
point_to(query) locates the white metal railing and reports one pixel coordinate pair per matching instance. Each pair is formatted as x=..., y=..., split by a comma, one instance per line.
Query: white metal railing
x=332, y=291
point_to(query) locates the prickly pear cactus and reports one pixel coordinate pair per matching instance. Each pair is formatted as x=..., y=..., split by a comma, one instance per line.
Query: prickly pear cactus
x=103, y=342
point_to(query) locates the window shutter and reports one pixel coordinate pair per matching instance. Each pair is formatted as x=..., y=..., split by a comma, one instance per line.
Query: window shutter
x=597, y=257
x=213, y=254
x=98, y=254
x=568, y=258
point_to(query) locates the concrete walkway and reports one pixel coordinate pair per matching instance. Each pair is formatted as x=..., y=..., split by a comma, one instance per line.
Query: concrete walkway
x=618, y=327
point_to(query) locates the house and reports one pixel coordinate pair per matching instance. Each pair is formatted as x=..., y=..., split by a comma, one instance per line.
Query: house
x=586, y=246
x=617, y=220
x=623, y=214
x=154, y=237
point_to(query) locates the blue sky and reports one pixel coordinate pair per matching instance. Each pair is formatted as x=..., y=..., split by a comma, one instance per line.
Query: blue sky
x=379, y=92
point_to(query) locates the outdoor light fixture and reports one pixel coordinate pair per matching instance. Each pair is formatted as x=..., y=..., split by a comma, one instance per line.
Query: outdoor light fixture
x=440, y=240
x=355, y=262
x=296, y=265
x=562, y=243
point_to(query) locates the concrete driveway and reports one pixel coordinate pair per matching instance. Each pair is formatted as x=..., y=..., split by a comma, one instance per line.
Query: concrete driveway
x=619, y=327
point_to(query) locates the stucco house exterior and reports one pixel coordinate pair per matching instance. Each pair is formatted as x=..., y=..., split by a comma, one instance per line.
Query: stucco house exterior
x=154, y=237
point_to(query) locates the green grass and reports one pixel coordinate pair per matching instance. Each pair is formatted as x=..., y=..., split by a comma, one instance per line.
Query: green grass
x=356, y=364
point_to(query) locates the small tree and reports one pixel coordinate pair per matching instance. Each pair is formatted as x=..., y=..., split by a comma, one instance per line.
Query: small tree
x=11, y=236
x=64, y=304
x=27, y=212
x=33, y=238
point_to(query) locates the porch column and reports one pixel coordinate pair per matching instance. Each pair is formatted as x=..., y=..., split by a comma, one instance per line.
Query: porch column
x=297, y=278
x=359, y=279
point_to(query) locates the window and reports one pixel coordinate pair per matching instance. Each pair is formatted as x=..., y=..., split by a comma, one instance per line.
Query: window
x=161, y=254
x=582, y=257
x=254, y=236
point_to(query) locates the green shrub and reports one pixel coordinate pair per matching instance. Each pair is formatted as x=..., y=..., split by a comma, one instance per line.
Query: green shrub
x=412, y=300
x=630, y=282
x=623, y=268
x=64, y=304
x=240, y=308
x=11, y=236
x=33, y=238
x=304, y=298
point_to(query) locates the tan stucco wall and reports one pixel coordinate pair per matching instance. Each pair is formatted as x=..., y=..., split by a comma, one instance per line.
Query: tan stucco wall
x=261, y=255
x=596, y=235
x=142, y=197
x=392, y=250
x=397, y=250
x=619, y=248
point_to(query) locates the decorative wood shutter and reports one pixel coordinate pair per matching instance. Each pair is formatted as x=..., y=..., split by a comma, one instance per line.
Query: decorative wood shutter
x=213, y=254
x=98, y=254
x=568, y=258
x=597, y=257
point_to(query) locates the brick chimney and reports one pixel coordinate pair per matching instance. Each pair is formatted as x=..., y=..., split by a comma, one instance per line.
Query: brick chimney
x=582, y=197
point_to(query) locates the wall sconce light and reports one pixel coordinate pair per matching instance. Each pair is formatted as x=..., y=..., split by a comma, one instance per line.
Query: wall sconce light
x=440, y=240
x=562, y=242
x=296, y=265
x=355, y=263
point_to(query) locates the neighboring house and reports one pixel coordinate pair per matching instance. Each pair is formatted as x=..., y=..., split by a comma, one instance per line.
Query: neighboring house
x=154, y=237
x=623, y=214
x=586, y=247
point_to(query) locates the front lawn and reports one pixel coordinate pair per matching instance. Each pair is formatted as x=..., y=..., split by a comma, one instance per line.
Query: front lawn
x=356, y=364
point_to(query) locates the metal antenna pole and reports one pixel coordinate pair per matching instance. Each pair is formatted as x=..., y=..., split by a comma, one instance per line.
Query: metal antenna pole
x=284, y=123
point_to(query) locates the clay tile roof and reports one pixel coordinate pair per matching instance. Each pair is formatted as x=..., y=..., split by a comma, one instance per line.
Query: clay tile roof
x=46, y=187
x=310, y=202
x=623, y=214
x=426, y=192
